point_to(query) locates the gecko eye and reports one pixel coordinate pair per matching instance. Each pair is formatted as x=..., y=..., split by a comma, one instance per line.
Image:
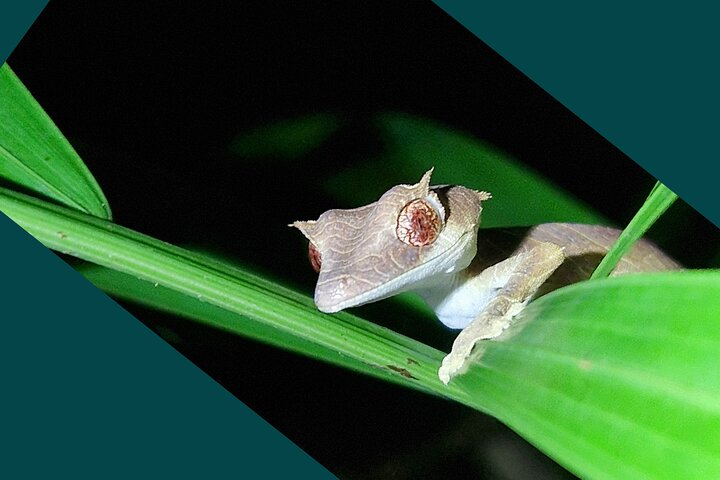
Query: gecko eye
x=314, y=257
x=419, y=222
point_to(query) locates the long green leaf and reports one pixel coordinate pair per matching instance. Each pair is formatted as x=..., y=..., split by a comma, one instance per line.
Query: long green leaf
x=616, y=378
x=569, y=394
x=128, y=287
x=34, y=154
x=283, y=313
x=658, y=201
x=613, y=378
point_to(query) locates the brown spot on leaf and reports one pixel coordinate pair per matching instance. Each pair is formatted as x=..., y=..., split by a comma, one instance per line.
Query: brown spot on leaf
x=585, y=365
x=402, y=371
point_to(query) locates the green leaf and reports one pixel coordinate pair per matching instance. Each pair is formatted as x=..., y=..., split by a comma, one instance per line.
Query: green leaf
x=658, y=201
x=35, y=155
x=613, y=378
x=282, y=317
x=412, y=145
x=289, y=139
x=127, y=287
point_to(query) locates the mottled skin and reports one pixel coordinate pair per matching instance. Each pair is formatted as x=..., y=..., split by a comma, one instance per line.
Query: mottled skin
x=476, y=282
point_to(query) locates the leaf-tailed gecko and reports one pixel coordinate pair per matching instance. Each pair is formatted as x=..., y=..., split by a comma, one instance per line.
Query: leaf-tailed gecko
x=425, y=239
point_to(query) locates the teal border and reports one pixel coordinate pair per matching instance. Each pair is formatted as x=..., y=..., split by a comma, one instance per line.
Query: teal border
x=15, y=19
x=89, y=392
x=77, y=404
x=644, y=75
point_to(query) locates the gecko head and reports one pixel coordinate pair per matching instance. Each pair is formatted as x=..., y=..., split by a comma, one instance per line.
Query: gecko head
x=412, y=237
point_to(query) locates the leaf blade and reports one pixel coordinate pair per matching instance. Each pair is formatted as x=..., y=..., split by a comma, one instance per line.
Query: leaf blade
x=373, y=348
x=600, y=387
x=35, y=155
x=658, y=201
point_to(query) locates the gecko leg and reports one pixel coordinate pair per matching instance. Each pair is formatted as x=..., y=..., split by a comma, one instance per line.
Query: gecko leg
x=528, y=271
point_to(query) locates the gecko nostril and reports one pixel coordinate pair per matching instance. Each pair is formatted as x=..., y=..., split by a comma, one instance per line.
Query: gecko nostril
x=418, y=223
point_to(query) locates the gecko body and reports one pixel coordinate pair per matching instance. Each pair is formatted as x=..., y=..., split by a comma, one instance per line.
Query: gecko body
x=425, y=239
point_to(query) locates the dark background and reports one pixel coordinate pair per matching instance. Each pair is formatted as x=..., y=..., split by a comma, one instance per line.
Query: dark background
x=152, y=94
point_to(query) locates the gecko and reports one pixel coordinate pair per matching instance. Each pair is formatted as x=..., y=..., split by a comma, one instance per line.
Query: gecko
x=425, y=239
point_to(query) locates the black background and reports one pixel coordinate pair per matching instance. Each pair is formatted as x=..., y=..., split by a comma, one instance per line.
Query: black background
x=151, y=94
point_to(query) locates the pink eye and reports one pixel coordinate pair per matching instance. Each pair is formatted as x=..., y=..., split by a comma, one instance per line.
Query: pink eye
x=314, y=257
x=418, y=223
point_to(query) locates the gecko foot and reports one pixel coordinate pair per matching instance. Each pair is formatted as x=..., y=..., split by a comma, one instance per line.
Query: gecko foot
x=456, y=362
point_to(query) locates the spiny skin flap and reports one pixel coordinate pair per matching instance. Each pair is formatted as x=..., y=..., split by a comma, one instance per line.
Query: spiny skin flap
x=363, y=260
